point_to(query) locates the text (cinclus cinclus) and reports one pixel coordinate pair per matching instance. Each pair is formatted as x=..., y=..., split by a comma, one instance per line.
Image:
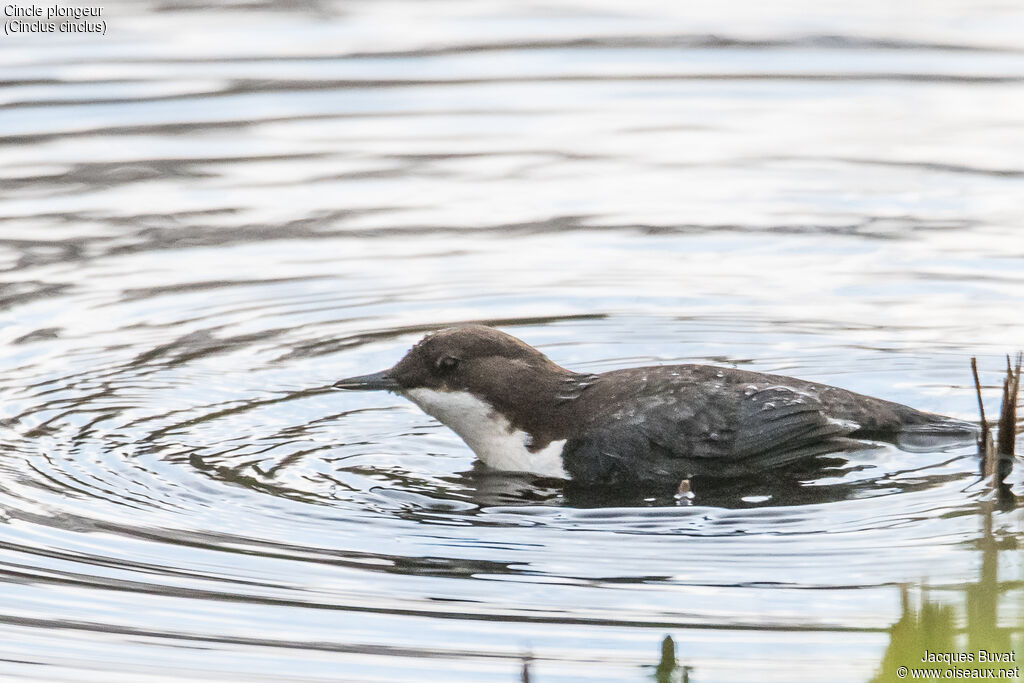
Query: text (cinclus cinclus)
x=521, y=412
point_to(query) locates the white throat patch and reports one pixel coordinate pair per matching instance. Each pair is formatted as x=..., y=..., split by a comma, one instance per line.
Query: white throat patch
x=488, y=433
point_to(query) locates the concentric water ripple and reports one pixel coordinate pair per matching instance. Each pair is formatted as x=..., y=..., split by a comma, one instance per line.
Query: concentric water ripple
x=210, y=215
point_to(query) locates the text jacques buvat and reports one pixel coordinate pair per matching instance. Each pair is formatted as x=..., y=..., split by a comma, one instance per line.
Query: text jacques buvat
x=53, y=19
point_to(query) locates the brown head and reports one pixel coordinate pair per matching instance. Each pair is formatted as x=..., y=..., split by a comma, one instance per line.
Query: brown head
x=473, y=358
x=505, y=398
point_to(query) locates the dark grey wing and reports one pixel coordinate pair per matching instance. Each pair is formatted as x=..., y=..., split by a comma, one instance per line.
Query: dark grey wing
x=776, y=425
x=728, y=434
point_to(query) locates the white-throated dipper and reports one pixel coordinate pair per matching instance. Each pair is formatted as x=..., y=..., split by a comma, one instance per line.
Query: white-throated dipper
x=521, y=412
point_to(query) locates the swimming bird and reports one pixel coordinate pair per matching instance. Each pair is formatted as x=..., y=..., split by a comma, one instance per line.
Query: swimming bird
x=521, y=412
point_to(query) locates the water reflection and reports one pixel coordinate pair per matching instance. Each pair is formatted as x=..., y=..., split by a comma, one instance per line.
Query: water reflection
x=972, y=641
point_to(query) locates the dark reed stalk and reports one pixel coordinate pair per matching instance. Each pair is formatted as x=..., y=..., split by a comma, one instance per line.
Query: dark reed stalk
x=997, y=455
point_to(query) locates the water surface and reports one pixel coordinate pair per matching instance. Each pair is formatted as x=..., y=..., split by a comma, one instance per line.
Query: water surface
x=210, y=215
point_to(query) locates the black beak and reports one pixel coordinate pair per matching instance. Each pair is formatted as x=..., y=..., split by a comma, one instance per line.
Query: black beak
x=378, y=381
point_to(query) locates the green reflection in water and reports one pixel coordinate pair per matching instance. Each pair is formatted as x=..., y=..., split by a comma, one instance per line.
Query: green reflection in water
x=928, y=643
x=669, y=670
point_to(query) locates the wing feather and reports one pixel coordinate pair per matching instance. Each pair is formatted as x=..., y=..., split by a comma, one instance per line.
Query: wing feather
x=765, y=427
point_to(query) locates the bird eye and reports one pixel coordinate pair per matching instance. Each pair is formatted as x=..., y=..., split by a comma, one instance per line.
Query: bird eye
x=447, y=363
